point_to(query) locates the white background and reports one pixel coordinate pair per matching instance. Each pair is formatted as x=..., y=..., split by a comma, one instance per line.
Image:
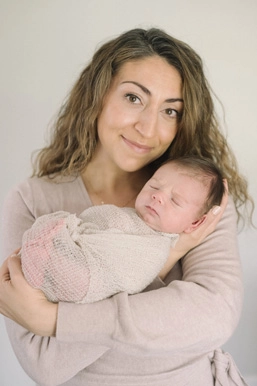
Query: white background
x=44, y=44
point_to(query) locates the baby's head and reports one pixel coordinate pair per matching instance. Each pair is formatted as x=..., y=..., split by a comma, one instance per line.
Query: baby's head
x=179, y=194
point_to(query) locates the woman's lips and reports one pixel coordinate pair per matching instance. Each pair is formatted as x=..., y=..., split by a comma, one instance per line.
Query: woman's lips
x=139, y=148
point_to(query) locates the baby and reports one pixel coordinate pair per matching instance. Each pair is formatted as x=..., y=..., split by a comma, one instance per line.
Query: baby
x=108, y=249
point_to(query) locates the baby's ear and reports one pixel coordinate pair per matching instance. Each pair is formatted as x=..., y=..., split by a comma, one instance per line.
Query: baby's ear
x=195, y=224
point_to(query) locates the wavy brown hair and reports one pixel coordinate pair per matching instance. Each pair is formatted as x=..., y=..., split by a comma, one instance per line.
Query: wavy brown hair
x=75, y=131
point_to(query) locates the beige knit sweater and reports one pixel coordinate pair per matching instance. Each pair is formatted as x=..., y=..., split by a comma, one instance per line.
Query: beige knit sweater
x=90, y=257
x=168, y=335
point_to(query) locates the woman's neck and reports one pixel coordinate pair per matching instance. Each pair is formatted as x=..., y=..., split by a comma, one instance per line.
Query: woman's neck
x=107, y=185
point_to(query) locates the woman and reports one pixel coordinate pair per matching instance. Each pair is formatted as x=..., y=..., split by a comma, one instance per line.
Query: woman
x=143, y=98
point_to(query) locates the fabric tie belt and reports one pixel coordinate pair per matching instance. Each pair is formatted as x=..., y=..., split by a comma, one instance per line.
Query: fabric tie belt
x=225, y=371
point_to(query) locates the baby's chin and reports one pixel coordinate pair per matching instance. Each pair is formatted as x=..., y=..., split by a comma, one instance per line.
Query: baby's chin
x=149, y=219
x=152, y=225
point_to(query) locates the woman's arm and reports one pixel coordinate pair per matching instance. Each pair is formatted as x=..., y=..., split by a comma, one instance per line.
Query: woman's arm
x=12, y=306
x=16, y=306
x=199, y=313
x=185, y=242
x=45, y=360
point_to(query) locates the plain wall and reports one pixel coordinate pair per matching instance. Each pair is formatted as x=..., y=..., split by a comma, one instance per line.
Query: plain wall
x=44, y=45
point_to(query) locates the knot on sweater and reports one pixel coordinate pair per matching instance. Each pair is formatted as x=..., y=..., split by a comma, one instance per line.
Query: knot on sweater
x=225, y=371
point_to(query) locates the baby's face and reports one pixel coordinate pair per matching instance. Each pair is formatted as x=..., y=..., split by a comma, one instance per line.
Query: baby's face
x=172, y=200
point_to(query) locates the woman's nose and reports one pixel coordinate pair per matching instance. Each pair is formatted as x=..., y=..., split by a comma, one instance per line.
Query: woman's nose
x=146, y=123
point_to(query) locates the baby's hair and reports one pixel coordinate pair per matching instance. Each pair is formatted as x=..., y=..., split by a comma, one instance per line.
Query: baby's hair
x=210, y=175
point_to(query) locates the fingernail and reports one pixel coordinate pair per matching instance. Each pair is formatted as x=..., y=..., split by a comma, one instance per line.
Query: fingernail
x=216, y=210
x=16, y=254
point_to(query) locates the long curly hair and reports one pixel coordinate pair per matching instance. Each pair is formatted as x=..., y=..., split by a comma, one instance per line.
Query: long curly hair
x=75, y=131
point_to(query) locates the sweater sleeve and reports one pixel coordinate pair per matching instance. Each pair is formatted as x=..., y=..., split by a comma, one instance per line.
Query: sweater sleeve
x=197, y=314
x=46, y=360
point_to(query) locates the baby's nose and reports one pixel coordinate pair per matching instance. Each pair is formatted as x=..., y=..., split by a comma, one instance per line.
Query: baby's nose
x=157, y=197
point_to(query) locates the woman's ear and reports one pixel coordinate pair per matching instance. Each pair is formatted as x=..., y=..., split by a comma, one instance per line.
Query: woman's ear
x=195, y=224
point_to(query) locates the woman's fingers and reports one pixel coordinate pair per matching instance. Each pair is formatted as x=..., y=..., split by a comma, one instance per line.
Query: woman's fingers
x=22, y=303
x=14, y=266
x=5, y=287
x=214, y=215
x=11, y=280
x=5, y=268
x=191, y=240
x=4, y=272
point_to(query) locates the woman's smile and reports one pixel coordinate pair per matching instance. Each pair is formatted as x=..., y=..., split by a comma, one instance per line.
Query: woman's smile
x=137, y=147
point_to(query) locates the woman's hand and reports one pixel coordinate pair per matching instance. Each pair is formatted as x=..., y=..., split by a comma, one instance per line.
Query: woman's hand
x=188, y=241
x=25, y=305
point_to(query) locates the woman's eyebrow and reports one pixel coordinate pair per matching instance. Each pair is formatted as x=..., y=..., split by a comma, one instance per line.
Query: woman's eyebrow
x=148, y=92
x=143, y=88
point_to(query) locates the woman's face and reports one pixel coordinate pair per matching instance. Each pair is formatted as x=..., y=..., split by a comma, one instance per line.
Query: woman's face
x=140, y=114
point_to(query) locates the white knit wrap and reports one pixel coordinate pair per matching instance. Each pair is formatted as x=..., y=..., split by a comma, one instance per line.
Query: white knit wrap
x=88, y=258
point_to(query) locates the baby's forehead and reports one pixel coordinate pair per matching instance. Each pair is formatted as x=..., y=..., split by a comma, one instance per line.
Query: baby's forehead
x=169, y=169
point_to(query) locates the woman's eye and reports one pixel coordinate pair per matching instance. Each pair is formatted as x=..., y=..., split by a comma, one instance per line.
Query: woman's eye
x=171, y=113
x=132, y=98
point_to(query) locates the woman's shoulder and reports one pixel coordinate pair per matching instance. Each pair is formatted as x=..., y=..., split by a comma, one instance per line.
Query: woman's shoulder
x=48, y=183
x=38, y=188
x=49, y=194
